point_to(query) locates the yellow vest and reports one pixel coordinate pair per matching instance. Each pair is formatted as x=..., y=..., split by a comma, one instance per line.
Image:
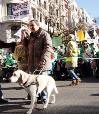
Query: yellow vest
x=74, y=52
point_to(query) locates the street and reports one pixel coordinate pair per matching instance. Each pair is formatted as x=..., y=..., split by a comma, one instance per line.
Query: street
x=81, y=99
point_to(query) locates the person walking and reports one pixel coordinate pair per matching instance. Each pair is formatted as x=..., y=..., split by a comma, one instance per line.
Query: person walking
x=21, y=51
x=39, y=48
x=39, y=51
x=71, y=59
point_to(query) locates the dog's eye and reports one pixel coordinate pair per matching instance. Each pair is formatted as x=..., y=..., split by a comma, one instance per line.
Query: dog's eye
x=14, y=74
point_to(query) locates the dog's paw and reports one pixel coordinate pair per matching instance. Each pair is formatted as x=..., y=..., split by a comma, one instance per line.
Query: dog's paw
x=29, y=112
x=52, y=99
x=52, y=102
x=45, y=107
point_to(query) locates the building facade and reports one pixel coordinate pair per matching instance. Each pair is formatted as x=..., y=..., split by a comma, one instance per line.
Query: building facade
x=54, y=16
x=14, y=13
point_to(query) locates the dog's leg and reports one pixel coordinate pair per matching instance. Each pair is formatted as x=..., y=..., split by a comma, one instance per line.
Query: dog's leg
x=49, y=91
x=27, y=90
x=53, y=99
x=32, y=92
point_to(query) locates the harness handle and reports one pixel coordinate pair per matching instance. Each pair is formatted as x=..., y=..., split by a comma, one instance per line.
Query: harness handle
x=40, y=71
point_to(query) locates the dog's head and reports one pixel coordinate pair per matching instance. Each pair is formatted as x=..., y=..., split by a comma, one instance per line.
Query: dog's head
x=19, y=76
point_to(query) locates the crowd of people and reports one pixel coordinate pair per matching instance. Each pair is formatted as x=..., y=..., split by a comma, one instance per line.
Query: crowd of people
x=86, y=55
x=34, y=53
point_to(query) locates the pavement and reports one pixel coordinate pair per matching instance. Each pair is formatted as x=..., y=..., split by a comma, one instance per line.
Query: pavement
x=81, y=99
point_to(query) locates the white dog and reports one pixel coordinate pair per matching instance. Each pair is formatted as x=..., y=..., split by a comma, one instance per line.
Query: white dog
x=34, y=85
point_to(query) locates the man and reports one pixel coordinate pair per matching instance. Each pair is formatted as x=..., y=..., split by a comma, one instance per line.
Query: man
x=39, y=50
x=72, y=59
x=86, y=53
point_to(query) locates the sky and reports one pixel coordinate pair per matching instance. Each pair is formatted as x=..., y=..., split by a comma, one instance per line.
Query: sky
x=91, y=6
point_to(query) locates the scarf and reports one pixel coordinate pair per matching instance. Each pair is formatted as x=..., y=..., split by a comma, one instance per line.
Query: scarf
x=35, y=34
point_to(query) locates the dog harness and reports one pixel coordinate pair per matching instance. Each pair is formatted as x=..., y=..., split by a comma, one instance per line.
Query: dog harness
x=33, y=83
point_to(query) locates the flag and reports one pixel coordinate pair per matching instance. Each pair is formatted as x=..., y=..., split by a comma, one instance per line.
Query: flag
x=80, y=35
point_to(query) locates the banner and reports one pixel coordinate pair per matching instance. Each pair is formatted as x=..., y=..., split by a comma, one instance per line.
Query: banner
x=80, y=35
x=20, y=10
x=56, y=41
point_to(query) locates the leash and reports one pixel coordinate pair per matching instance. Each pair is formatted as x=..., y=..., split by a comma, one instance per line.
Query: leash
x=36, y=70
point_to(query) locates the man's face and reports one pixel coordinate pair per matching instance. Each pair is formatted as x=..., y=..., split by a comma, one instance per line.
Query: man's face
x=33, y=26
x=85, y=44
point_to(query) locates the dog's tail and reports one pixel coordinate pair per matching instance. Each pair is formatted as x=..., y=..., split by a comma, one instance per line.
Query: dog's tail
x=55, y=88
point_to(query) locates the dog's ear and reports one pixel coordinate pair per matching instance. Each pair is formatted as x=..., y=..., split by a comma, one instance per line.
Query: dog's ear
x=20, y=80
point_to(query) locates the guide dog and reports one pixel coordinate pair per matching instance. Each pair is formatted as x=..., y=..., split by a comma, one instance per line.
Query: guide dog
x=34, y=85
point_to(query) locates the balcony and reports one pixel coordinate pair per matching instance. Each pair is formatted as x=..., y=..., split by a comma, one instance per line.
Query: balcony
x=10, y=18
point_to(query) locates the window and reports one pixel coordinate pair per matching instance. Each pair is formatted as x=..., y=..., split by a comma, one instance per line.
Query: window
x=39, y=2
x=46, y=20
x=45, y=4
x=57, y=12
x=58, y=25
x=14, y=29
x=86, y=19
x=56, y=1
x=50, y=10
x=66, y=22
x=51, y=24
x=40, y=17
x=34, y=13
x=62, y=7
x=37, y=15
x=9, y=9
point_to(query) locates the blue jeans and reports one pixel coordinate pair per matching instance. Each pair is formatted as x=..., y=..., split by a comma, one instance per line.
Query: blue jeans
x=1, y=94
x=43, y=93
x=72, y=73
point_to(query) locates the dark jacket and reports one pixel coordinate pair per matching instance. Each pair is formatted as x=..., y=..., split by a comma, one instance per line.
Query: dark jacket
x=39, y=51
